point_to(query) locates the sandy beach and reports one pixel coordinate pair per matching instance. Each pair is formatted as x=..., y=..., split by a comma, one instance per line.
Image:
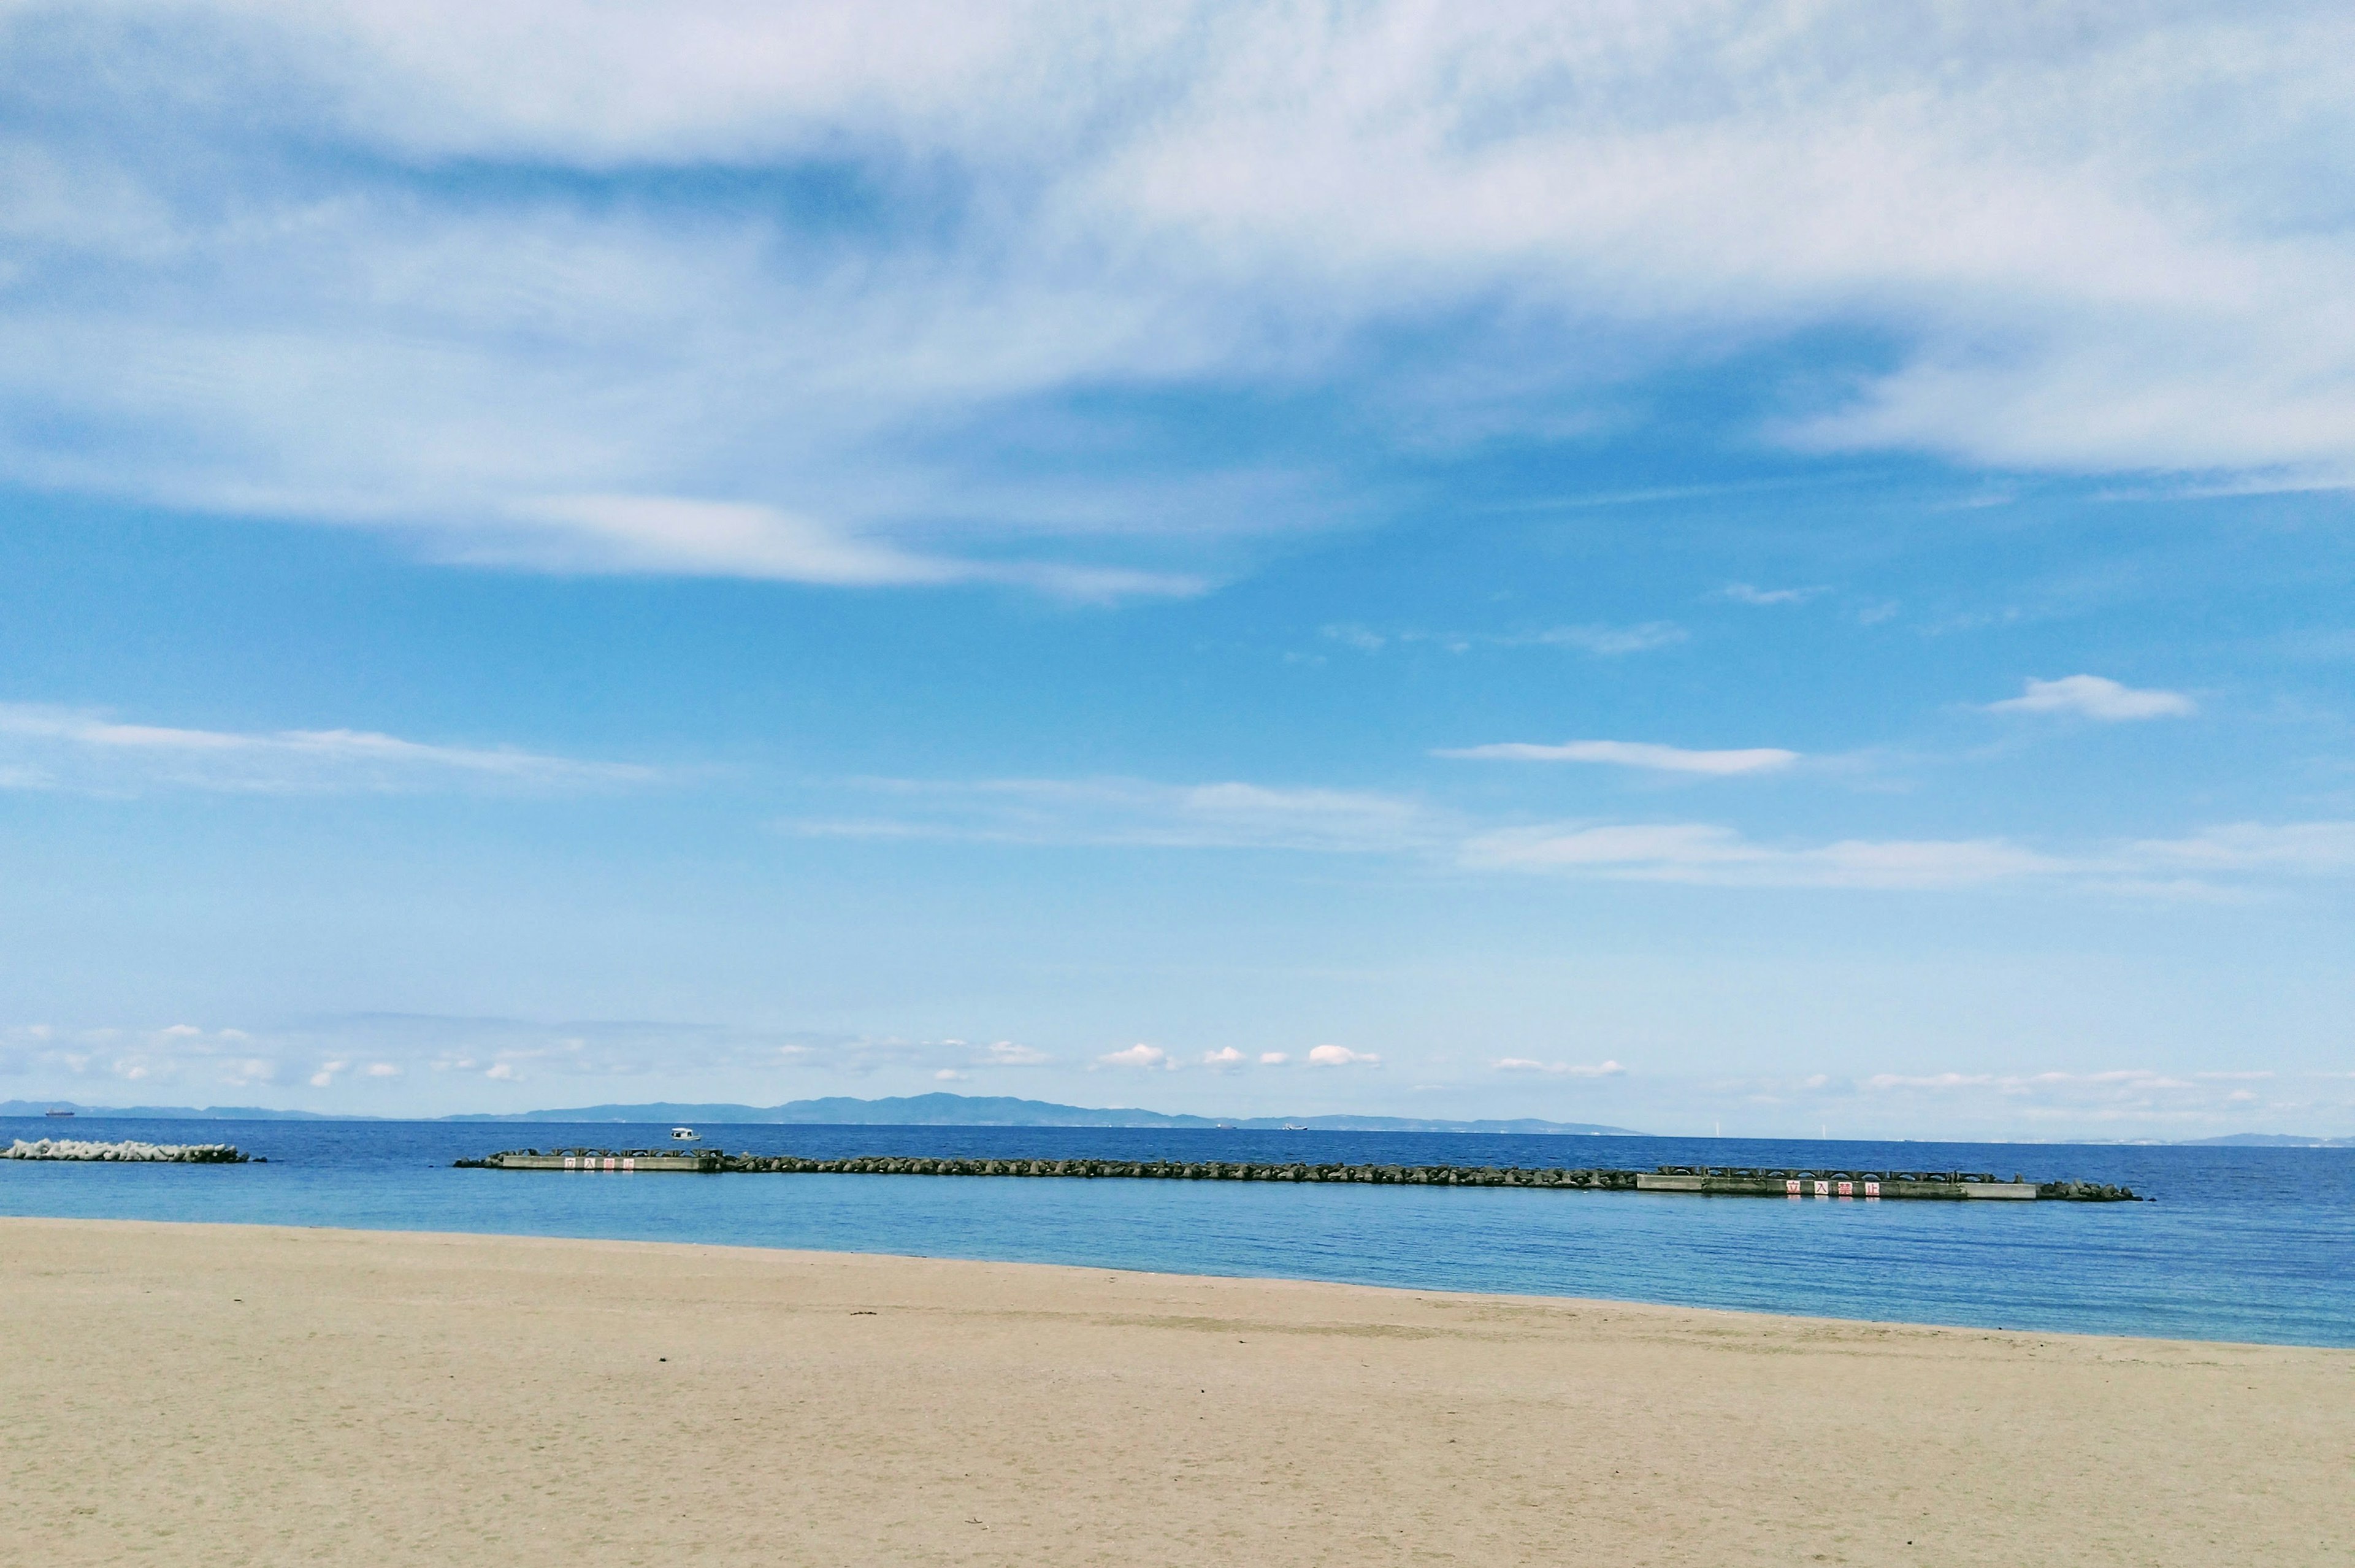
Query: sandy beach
x=218, y=1394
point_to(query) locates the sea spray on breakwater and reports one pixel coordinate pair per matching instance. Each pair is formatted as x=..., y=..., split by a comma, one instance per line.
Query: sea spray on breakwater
x=126, y=1152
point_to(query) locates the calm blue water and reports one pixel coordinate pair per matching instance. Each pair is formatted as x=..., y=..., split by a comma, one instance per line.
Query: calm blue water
x=2251, y=1245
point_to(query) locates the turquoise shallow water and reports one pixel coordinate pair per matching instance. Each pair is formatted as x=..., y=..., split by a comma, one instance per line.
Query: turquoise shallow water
x=2243, y=1244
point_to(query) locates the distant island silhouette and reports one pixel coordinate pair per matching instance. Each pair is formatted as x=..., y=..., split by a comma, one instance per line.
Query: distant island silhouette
x=937, y=1110
x=944, y=1110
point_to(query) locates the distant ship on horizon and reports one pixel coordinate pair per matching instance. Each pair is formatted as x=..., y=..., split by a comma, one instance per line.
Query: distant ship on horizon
x=54, y=1112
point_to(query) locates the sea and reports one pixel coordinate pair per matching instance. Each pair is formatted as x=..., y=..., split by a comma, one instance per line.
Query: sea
x=2237, y=1243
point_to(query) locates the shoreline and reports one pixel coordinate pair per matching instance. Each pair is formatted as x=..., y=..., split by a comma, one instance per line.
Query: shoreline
x=225, y=1394
x=1739, y=1312
x=1632, y=1304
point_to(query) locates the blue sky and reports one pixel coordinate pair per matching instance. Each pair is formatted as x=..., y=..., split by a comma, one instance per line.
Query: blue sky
x=1676, y=565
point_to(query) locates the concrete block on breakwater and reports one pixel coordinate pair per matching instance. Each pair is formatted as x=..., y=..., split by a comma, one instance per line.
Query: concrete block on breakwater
x=1713, y=1181
x=126, y=1152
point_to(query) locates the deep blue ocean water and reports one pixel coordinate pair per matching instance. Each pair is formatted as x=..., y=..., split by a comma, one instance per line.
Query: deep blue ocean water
x=2243, y=1244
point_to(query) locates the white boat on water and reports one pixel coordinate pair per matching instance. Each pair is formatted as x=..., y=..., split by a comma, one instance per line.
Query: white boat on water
x=685, y=1136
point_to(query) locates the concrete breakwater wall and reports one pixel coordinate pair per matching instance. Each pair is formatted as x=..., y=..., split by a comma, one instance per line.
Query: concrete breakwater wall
x=129, y=1152
x=1202, y=1171
x=1706, y=1180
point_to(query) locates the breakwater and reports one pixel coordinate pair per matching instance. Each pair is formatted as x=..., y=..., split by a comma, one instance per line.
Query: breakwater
x=1705, y=1180
x=127, y=1152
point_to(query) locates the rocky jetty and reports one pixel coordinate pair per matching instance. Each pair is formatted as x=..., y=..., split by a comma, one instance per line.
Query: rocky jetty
x=127, y=1151
x=1707, y=1179
x=1192, y=1170
x=2087, y=1192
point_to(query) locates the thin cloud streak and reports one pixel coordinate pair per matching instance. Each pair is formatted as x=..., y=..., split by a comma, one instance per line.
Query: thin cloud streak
x=1745, y=594
x=1711, y=855
x=2222, y=862
x=84, y=750
x=668, y=535
x=1601, y=641
x=1143, y=814
x=1635, y=754
x=1560, y=1069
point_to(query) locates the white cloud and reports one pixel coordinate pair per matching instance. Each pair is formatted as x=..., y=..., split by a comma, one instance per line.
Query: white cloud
x=2223, y=861
x=1005, y=1053
x=1357, y=637
x=382, y=1070
x=669, y=534
x=1713, y=854
x=2093, y=697
x=2309, y=848
x=1744, y=593
x=2080, y=241
x=82, y=749
x=1224, y=1059
x=1137, y=811
x=1604, y=641
x=1139, y=1055
x=661, y=534
x=1710, y=854
x=1561, y=1069
x=1610, y=642
x=1341, y=1056
x=950, y=1075
x=1273, y=1058
x=2118, y=1096
x=1635, y=754
x=502, y=1071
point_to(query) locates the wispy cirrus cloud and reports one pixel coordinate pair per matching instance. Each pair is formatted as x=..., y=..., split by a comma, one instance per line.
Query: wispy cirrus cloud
x=2214, y=862
x=1713, y=854
x=1608, y=642
x=384, y=1059
x=1602, y=640
x=399, y=286
x=2132, y=1096
x=1746, y=594
x=1558, y=1069
x=646, y=535
x=2054, y=1102
x=2295, y=849
x=1139, y=812
x=86, y=751
x=2225, y=861
x=2095, y=696
x=1635, y=754
x=1008, y=1053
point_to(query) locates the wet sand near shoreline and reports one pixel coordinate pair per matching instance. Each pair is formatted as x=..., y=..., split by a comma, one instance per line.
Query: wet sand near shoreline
x=241, y=1394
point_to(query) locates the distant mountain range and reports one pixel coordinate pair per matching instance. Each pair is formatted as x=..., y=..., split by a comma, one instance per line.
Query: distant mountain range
x=2273, y=1140
x=963, y=1111
x=172, y=1113
x=905, y=1110
x=1000, y=1111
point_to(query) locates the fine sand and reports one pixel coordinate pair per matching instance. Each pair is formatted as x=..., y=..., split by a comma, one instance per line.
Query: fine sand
x=221, y=1394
